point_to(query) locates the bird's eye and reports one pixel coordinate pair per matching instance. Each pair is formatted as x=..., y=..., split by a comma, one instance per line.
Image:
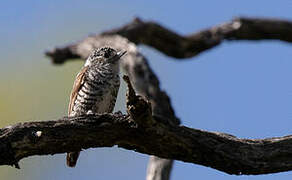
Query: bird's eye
x=106, y=54
x=109, y=54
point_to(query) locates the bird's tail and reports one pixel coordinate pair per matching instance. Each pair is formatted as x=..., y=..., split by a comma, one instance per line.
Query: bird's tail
x=72, y=158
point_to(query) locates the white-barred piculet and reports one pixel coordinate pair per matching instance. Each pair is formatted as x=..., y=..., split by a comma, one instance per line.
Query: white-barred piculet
x=95, y=88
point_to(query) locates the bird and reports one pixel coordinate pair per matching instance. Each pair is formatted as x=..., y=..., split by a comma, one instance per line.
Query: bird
x=95, y=88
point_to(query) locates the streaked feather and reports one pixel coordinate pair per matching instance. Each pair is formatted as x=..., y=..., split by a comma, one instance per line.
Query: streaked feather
x=76, y=87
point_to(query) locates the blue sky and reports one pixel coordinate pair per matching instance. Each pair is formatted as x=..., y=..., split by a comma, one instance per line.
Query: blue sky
x=242, y=88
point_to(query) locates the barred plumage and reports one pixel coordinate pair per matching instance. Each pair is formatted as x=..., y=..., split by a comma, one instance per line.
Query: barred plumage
x=95, y=88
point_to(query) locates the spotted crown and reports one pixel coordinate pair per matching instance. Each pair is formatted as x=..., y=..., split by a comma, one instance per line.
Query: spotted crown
x=105, y=52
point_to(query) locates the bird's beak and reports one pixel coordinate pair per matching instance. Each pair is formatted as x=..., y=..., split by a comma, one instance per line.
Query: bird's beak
x=121, y=53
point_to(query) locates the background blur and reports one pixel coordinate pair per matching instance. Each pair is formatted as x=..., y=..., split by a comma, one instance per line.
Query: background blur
x=242, y=88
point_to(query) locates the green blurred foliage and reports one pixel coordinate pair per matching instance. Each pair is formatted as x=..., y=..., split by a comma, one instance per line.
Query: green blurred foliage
x=34, y=91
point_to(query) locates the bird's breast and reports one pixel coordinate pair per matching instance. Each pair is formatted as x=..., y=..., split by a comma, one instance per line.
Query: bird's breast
x=97, y=96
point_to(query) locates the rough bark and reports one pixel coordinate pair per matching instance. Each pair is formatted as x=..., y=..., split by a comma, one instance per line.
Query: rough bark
x=145, y=82
x=216, y=150
x=240, y=156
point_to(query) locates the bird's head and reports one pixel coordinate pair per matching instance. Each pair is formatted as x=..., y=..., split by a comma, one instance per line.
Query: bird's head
x=104, y=54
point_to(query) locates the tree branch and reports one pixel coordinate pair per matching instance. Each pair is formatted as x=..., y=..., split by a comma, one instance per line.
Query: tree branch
x=175, y=45
x=144, y=81
x=217, y=150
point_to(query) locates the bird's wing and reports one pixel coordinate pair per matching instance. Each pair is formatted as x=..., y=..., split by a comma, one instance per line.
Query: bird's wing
x=76, y=87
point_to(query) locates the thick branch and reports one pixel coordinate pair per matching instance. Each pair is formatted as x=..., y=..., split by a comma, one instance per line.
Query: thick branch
x=147, y=84
x=233, y=158
x=144, y=81
x=175, y=45
x=217, y=150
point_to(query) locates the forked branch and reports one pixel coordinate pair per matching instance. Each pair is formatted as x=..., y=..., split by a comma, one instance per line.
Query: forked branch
x=164, y=138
